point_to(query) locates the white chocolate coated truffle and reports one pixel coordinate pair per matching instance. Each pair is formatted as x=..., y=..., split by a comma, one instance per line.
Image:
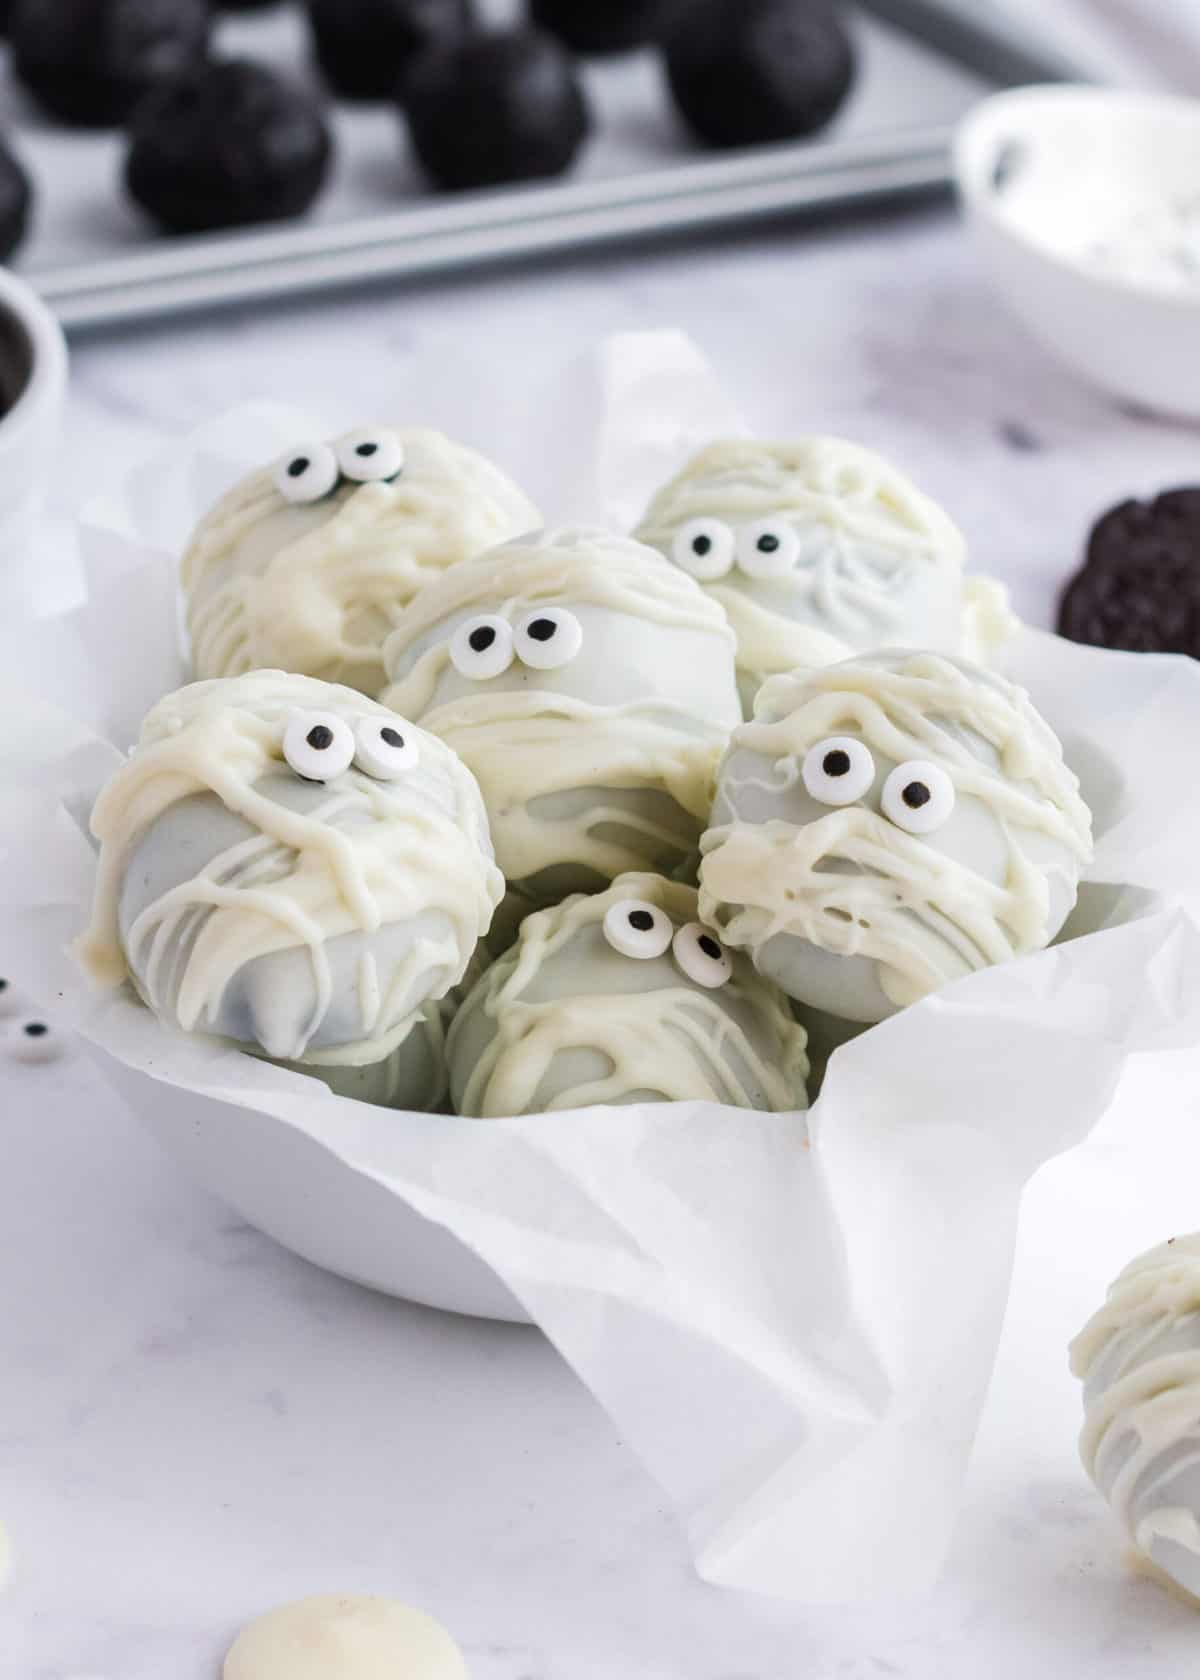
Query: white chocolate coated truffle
x=311, y=920
x=590, y=687
x=1139, y=1362
x=344, y=1638
x=623, y=997
x=887, y=825
x=816, y=549
x=314, y=585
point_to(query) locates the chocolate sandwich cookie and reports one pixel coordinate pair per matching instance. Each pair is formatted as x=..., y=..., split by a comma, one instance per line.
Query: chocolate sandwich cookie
x=760, y=71
x=89, y=62
x=225, y=145
x=496, y=106
x=1139, y=587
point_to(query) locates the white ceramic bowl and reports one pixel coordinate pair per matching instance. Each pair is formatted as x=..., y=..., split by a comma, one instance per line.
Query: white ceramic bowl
x=1048, y=176
x=310, y=1198
x=33, y=378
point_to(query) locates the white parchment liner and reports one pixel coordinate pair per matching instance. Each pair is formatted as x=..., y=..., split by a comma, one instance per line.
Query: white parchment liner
x=795, y=1335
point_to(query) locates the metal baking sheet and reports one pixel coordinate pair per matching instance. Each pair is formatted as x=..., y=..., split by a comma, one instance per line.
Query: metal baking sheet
x=923, y=63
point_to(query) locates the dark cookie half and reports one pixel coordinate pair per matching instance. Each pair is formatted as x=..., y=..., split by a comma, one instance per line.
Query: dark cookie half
x=1139, y=588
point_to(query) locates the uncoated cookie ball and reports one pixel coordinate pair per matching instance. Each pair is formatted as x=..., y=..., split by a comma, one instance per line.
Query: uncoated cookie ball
x=224, y=145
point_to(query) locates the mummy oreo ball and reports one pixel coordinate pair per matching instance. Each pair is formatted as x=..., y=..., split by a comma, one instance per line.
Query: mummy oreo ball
x=1139, y=1362
x=305, y=564
x=816, y=549
x=590, y=687
x=624, y=997
x=287, y=865
x=887, y=825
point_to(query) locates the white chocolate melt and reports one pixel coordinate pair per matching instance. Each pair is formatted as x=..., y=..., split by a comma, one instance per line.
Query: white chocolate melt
x=608, y=762
x=343, y=1637
x=564, y=1021
x=312, y=921
x=1139, y=1361
x=316, y=587
x=843, y=908
x=878, y=563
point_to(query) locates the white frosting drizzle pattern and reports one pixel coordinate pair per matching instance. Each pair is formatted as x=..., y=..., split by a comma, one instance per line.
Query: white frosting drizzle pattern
x=371, y=854
x=526, y=744
x=316, y=589
x=681, y=1042
x=1139, y=1357
x=855, y=884
x=863, y=525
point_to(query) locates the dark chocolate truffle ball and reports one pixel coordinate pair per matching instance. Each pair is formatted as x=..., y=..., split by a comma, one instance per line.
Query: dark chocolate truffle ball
x=224, y=145
x=504, y=106
x=759, y=70
x=365, y=47
x=89, y=62
x=16, y=200
x=604, y=26
x=1139, y=588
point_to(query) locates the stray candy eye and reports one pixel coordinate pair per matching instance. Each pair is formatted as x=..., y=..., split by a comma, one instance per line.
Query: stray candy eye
x=701, y=956
x=318, y=745
x=705, y=548
x=482, y=647
x=33, y=1041
x=371, y=455
x=918, y=797
x=767, y=549
x=383, y=749
x=838, y=771
x=637, y=929
x=307, y=474
x=548, y=639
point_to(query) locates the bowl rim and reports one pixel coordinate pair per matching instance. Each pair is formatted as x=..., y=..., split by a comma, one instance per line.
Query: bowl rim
x=978, y=127
x=47, y=379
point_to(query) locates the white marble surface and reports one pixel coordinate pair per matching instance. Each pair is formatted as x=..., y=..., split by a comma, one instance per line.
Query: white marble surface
x=194, y=1425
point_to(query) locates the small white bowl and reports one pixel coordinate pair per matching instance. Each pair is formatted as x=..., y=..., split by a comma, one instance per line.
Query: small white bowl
x=1069, y=193
x=33, y=379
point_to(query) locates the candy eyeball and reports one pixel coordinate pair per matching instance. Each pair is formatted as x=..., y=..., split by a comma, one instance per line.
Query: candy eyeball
x=482, y=647
x=701, y=956
x=838, y=771
x=637, y=929
x=704, y=547
x=371, y=455
x=384, y=750
x=318, y=745
x=307, y=473
x=769, y=548
x=548, y=639
x=34, y=1041
x=918, y=797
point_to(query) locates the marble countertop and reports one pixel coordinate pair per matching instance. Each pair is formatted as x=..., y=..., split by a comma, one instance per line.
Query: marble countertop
x=195, y=1425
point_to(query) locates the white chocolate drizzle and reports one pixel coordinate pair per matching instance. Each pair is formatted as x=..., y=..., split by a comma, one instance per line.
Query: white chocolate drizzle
x=370, y=854
x=855, y=884
x=1140, y=1358
x=320, y=595
x=681, y=1042
x=863, y=526
x=525, y=745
